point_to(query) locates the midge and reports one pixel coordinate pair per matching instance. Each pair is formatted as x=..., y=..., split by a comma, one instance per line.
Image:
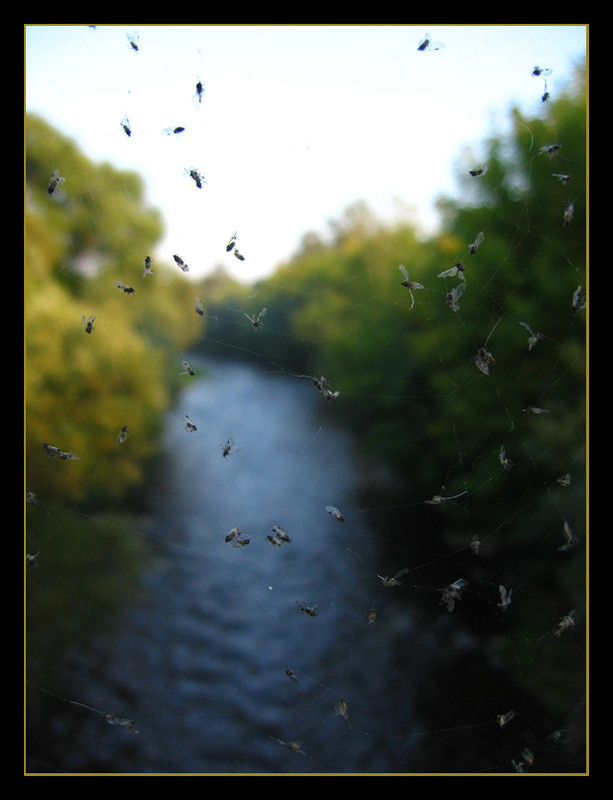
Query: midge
x=426, y=43
x=540, y=72
x=505, y=598
x=310, y=611
x=147, y=270
x=188, y=424
x=570, y=539
x=255, y=319
x=124, y=287
x=408, y=284
x=228, y=448
x=197, y=177
x=478, y=172
x=199, y=91
x=125, y=126
x=176, y=130
x=394, y=580
x=534, y=337
x=198, y=307
x=55, y=182
x=133, y=40
x=231, y=242
x=335, y=513
x=279, y=534
x=187, y=370
x=474, y=246
x=504, y=719
x=483, y=359
x=452, y=297
x=123, y=434
x=452, y=593
x=88, y=323
x=457, y=269
x=180, y=263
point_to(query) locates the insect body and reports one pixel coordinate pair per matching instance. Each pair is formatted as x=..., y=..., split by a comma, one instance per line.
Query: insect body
x=452, y=593
x=255, y=320
x=147, y=270
x=504, y=719
x=188, y=424
x=231, y=242
x=125, y=126
x=88, y=323
x=565, y=624
x=410, y=285
x=133, y=40
x=123, y=434
x=335, y=513
x=228, y=448
x=196, y=176
x=505, y=598
x=310, y=611
x=452, y=297
x=457, y=269
x=426, y=43
x=55, y=182
x=483, y=359
x=474, y=246
x=180, y=263
x=199, y=91
x=124, y=287
x=187, y=370
x=478, y=172
x=176, y=130
x=570, y=539
x=198, y=308
x=394, y=580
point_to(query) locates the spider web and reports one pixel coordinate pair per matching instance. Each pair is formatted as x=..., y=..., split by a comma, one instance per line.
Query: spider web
x=382, y=679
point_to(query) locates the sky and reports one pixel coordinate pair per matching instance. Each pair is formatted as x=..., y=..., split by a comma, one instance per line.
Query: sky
x=296, y=123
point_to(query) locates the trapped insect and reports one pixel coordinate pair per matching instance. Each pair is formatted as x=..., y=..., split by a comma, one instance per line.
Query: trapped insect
x=452, y=297
x=579, y=299
x=534, y=337
x=176, y=130
x=551, y=149
x=483, y=360
x=187, y=369
x=55, y=452
x=113, y=719
x=505, y=462
x=457, y=269
x=564, y=179
x=536, y=411
x=197, y=177
x=180, y=263
x=474, y=246
x=394, y=580
x=291, y=674
x=280, y=534
x=322, y=386
x=55, y=182
x=570, y=539
x=31, y=561
x=238, y=255
x=255, y=320
x=88, y=323
x=564, y=480
x=188, y=424
x=505, y=598
x=294, y=746
x=478, y=172
x=426, y=43
x=410, y=285
x=228, y=448
x=335, y=513
x=341, y=710
x=147, y=270
x=233, y=534
x=133, y=40
x=504, y=719
x=475, y=545
x=540, y=72
x=569, y=213
x=310, y=611
x=199, y=91
x=566, y=623
x=198, y=308
x=125, y=126
x=372, y=616
x=231, y=242
x=438, y=499
x=123, y=434
x=452, y=593
x=124, y=287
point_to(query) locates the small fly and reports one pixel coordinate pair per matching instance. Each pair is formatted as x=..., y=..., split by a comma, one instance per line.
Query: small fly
x=147, y=270
x=187, y=369
x=55, y=182
x=540, y=72
x=570, y=539
x=457, y=269
x=228, y=448
x=310, y=611
x=408, y=284
x=195, y=175
x=198, y=308
x=452, y=593
x=505, y=598
x=394, y=580
x=426, y=43
x=478, y=172
x=199, y=91
x=133, y=40
x=474, y=246
x=534, y=337
x=231, y=242
x=567, y=623
x=123, y=434
x=176, y=130
x=255, y=320
x=180, y=263
x=483, y=359
x=335, y=513
x=125, y=126
x=504, y=719
x=188, y=424
x=88, y=323
x=124, y=287
x=452, y=297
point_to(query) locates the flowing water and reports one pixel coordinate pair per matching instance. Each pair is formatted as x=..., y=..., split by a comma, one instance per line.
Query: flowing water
x=199, y=659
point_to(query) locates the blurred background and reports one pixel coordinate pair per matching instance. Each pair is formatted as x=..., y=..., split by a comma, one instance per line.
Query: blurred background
x=335, y=154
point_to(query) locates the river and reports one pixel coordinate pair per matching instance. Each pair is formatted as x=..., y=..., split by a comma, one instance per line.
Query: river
x=199, y=660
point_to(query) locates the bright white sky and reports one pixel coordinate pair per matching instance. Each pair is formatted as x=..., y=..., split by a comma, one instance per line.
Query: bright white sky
x=296, y=124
